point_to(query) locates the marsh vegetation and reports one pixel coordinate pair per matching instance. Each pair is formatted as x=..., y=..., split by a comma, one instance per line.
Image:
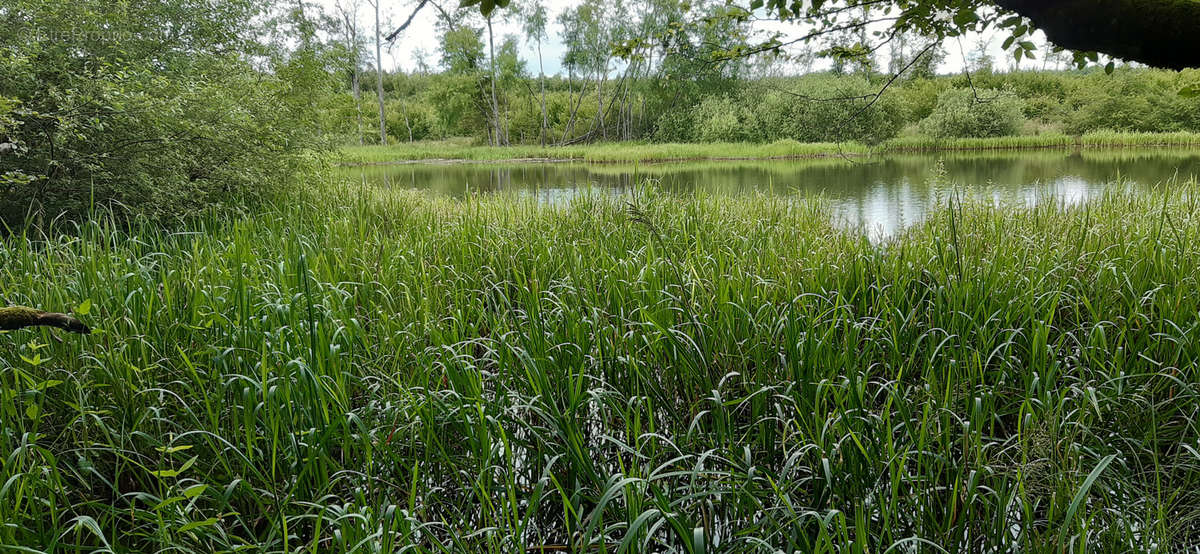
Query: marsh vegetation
x=693, y=374
x=274, y=354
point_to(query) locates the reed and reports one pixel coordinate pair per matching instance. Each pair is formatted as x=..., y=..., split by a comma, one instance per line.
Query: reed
x=596, y=153
x=629, y=152
x=382, y=371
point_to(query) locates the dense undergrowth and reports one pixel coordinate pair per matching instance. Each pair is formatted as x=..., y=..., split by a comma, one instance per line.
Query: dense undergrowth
x=695, y=106
x=372, y=373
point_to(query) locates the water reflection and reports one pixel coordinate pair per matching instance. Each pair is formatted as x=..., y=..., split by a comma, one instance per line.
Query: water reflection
x=880, y=196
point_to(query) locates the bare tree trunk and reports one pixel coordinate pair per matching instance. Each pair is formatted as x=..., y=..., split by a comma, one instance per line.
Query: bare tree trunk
x=492, y=64
x=542, y=74
x=601, y=78
x=379, y=77
x=351, y=20
x=404, y=112
x=574, y=110
x=358, y=106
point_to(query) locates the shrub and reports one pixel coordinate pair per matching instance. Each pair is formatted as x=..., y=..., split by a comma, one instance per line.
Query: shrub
x=824, y=108
x=960, y=113
x=676, y=125
x=119, y=119
x=721, y=119
x=406, y=119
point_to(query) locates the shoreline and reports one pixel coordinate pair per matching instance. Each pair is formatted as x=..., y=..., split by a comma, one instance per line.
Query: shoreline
x=602, y=154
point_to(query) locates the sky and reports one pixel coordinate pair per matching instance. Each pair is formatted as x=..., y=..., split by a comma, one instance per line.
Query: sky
x=420, y=40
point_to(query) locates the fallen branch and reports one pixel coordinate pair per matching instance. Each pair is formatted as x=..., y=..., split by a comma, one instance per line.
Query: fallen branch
x=20, y=317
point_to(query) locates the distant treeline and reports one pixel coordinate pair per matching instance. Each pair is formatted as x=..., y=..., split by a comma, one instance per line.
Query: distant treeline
x=817, y=107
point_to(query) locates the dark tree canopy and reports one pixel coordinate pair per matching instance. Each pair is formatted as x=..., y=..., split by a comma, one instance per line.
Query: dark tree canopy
x=1160, y=33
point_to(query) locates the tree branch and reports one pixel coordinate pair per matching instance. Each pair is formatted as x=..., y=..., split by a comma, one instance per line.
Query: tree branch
x=20, y=317
x=391, y=37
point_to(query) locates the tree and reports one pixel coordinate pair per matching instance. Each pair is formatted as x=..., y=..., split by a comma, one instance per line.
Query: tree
x=379, y=73
x=916, y=53
x=1160, y=33
x=498, y=134
x=980, y=59
x=535, y=29
x=585, y=33
x=349, y=13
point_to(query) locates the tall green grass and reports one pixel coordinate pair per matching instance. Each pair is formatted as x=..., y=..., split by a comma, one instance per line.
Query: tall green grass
x=597, y=153
x=382, y=372
x=463, y=150
x=1107, y=139
x=927, y=144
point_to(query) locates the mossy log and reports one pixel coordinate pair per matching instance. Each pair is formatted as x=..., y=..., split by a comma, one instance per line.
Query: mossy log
x=20, y=317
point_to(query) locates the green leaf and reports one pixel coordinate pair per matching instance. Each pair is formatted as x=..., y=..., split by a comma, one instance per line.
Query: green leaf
x=86, y=522
x=32, y=411
x=198, y=524
x=1190, y=91
x=174, y=472
x=84, y=308
x=173, y=449
x=194, y=491
x=188, y=464
x=1108, y=69
x=48, y=384
x=1082, y=493
x=168, y=502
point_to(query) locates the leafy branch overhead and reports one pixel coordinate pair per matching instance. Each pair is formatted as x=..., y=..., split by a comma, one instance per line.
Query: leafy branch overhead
x=1159, y=33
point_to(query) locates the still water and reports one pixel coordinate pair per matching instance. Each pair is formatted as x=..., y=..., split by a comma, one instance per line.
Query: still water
x=877, y=195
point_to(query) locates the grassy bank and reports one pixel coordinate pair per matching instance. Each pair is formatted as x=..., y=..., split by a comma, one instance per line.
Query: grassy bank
x=598, y=153
x=463, y=150
x=686, y=375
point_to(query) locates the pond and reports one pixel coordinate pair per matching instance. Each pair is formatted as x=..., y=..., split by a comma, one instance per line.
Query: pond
x=878, y=195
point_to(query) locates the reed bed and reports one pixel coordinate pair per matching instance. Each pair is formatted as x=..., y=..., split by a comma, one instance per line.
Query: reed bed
x=377, y=371
x=629, y=152
x=926, y=144
x=595, y=153
x=1109, y=139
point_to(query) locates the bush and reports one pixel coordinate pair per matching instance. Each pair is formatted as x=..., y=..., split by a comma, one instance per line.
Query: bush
x=677, y=125
x=810, y=109
x=961, y=114
x=407, y=120
x=1134, y=101
x=118, y=119
x=721, y=119
x=823, y=108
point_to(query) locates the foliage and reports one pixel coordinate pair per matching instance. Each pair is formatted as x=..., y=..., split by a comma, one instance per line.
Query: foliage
x=107, y=106
x=720, y=119
x=962, y=113
x=811, y=108
x=824, y=108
